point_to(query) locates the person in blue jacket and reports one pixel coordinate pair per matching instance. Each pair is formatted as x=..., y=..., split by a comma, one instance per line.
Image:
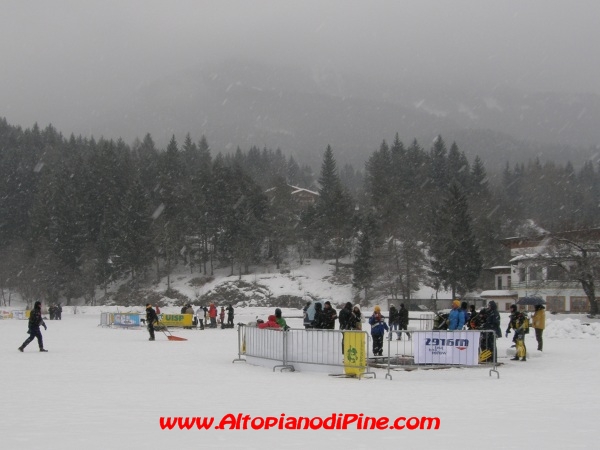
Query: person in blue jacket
x=456, y=319
x=378, y=329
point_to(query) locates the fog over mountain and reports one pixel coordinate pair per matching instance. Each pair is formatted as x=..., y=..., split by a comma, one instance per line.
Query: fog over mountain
x=506, y=80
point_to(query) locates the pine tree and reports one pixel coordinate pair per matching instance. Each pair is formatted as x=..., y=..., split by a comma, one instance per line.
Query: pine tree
x=334, y=210
x=455, y=257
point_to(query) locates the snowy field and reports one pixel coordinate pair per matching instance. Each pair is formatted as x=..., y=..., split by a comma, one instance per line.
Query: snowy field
x=103, y=388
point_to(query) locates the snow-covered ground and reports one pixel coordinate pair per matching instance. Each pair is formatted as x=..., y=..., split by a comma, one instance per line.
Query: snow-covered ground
x=103, y=388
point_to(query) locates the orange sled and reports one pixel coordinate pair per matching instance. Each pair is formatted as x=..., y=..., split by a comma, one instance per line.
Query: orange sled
x=168, y=334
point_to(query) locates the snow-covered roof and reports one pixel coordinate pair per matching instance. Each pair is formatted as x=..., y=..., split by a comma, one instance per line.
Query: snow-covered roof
x=499, y=293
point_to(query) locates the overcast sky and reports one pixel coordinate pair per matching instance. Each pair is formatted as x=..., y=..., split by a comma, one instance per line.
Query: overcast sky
x=80, y=53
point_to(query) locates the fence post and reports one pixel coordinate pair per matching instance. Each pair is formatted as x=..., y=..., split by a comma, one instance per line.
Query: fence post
x=239, y=358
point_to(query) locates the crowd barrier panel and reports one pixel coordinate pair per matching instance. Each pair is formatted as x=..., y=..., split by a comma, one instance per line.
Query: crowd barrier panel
x=106, y=319
x=441, y=348
x=330, y=351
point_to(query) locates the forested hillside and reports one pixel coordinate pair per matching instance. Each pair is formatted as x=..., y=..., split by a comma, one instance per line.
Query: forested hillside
x=78, y=213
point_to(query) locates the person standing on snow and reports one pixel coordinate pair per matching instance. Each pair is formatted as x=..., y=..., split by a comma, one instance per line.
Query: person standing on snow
x=539, y=323
x=378, y=329
x=456, y=319
x=491, y=323
x=200, y=315
x=358, y=314
x=520, y=323
x=212, y=313
x=394, y=322
x=347, y=318
x=329, y=316
x=403, y=318
x=35, y=321
x=151, y=319
x=229, y=310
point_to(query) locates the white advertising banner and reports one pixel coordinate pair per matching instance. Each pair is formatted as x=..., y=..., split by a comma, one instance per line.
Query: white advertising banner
x=446, y=347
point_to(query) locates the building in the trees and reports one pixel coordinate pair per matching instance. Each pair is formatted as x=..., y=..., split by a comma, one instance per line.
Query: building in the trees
x=548, y=265
x=303, y=197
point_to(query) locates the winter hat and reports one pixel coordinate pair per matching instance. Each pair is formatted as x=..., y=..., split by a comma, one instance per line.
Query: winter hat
x=456, y=304
x=377, y=309
x=277, y=312
x=37, y=305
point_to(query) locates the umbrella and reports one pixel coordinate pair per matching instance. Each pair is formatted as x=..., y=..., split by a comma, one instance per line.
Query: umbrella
x=531, y=301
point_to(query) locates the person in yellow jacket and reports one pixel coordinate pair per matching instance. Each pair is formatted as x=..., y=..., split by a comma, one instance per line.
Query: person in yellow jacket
x=520, y=323
x=539, y=323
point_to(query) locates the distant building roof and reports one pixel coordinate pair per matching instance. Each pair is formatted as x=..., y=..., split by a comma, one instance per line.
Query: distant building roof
x=499, y=293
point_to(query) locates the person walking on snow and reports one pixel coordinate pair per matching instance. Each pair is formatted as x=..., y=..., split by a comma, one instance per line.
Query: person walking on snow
x=35, y=321
x=151, y=319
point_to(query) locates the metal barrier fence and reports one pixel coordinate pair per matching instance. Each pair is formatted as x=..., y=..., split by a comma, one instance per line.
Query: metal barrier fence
x=333, y=351
x=438, y=349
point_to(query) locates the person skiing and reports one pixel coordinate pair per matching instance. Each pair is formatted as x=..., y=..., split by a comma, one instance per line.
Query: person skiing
x=151, y=319
x=35, y=321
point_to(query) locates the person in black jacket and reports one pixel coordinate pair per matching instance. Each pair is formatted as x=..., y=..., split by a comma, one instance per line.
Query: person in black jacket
x=403, y=321
x=35, y=321
x=319, y=318
x=491, y=323
x=229, y=310
x=329, y=316
x=347, y=318
x=151, y=319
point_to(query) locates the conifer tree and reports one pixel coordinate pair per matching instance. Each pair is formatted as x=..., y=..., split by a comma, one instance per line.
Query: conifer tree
x=334, y=210
x=454, y=252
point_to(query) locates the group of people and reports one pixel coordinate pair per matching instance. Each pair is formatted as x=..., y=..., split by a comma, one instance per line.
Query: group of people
x=55, y=312
x=519, y=322
x=200, y=317
x=398, y=321
x=275, y=321
x=325, y=315
x=208, y=316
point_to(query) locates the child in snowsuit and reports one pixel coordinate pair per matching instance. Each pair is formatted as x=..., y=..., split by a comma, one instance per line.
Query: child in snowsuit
x=378, y=329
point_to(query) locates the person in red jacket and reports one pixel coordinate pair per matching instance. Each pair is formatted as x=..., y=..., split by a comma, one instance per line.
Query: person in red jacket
x=212, y=313
x=270, y=323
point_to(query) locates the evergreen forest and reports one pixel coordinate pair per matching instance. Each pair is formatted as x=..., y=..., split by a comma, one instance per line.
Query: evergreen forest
x=77, y=214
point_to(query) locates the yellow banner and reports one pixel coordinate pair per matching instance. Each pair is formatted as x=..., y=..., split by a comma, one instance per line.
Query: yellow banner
x=176, y=320
x=355, y=354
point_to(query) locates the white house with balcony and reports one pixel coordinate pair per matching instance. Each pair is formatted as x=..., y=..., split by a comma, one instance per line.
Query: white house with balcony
x=528, y=275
